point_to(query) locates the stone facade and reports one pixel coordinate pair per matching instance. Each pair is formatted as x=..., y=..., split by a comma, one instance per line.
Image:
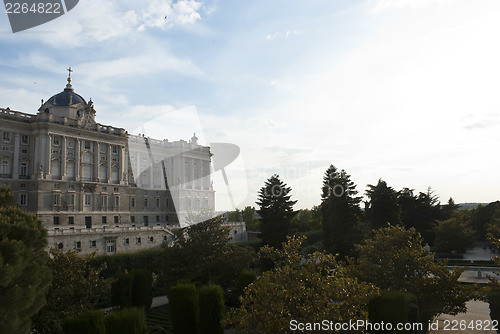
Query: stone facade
x=96, y=187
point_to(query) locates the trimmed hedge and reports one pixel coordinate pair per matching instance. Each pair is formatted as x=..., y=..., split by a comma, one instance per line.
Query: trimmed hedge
x=119, y=263
x=211, y=306
x=90, y=322
x=394, y=307
x=142, y=289
x=133, y=289
x=126, y=321
x=183, y=300
x=121, y=290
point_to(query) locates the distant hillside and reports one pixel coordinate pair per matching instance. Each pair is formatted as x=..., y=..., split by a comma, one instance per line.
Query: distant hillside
x=469, y=206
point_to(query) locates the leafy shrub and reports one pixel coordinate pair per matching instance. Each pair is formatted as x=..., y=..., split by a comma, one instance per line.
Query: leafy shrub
x=394, y=307
x=246, y=277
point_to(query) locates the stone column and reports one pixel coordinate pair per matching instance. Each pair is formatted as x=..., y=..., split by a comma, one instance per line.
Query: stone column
x=77, y=159
x=108, y=163
x=97, y=148
x=36, y=162
x=15, y=163
x=63, y=157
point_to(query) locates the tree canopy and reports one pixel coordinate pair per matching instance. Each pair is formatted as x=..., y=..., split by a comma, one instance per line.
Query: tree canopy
x=24, y=274
x=394, y=259
x=76, y=287
x=308, y=289
x=383, y=206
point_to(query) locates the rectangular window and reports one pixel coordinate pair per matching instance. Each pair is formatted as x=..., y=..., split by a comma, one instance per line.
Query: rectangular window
x=145, y=202
x=132, y=202
x=57, y=199
x=114, y=149
x=25, y=139
x=78, y=245
x=71, y=220
x=56, y=140
x=157, y=218
x=71, y=199
x=23, y=199
x=116, y=219
x=5, y=167
x=138, y=240
x=104, y=201
x=146, y=220
x=88, y=200
x=126, y=241
x=157, y=202
x=56, y=220
x=132, y=219
x=6, y=137
x=104, y=220
x=23, y=169
x=93, y=243
x=117, y=201
x=88, y=222
x=86, y=145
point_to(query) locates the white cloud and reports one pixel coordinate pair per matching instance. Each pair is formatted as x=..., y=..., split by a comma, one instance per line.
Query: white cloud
x=97, y=21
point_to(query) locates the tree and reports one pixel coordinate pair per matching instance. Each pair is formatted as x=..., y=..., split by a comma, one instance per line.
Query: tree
x=311, y=289
x=307, y=220
x=276, y=211
x=24, y=274
x=483, y=216
x=341, y=215
x=383, y=206
x=76, y=288
x=449, y=209
x=420, y=212
x=251, y=221
x=455, y=233
x=202, y=254
x=394, y=259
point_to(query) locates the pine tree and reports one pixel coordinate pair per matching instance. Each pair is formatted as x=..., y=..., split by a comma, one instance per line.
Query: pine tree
x=276, y=211
x=340, y=212
x=24, y=274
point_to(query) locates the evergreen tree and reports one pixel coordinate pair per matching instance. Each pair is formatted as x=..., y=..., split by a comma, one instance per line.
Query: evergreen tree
x=340, y=212
x=24, y=274
x=420, y=212
x=383, y=206
x=276, y=211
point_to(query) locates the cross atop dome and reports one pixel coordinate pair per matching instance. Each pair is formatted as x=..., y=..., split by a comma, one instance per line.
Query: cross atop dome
x=69, y=77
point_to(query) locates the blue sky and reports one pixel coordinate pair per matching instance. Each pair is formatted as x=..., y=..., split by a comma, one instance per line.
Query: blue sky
x=403, y=90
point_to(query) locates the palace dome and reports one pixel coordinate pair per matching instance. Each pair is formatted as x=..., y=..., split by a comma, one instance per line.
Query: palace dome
x=67, y=97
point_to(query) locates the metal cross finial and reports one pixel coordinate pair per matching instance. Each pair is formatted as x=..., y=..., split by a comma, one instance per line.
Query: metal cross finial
x=69, y=71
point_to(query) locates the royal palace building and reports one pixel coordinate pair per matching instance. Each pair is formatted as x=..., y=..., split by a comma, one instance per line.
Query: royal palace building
x=96, y=187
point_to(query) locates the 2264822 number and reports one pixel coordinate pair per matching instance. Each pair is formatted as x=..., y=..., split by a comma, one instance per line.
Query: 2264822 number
x=38, y=8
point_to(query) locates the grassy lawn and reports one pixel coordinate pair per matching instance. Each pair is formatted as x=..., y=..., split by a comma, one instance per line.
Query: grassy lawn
x=158, y=320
